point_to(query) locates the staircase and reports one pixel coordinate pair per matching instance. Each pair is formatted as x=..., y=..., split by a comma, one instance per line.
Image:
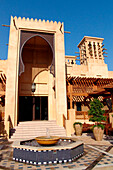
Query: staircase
x=32, y=129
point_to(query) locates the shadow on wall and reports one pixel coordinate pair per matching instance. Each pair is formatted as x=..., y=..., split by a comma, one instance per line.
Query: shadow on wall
x=3, y=132
x=11, y=129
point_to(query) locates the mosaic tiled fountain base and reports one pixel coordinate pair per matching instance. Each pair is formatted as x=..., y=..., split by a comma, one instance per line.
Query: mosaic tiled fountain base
x=29, y=151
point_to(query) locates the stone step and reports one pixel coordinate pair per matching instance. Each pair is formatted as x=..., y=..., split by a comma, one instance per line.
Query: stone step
x=35, y=135
x=32, y=129
x=32, y=132
x=41, y=125
x=57, y=132
x=36, y=132
x=38, y=129
x=32, y=136
x=38, y=122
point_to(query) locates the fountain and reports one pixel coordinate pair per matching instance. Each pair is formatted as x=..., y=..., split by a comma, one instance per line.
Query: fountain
x=47, y=140
x=47, y=150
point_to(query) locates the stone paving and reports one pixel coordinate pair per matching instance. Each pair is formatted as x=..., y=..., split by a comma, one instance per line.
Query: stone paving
x=92, y=158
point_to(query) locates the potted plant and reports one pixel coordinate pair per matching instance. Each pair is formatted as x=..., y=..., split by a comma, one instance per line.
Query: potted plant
x=96, y=115
x=78, y=128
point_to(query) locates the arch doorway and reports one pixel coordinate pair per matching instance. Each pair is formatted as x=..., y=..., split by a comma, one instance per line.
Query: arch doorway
x=37, y=56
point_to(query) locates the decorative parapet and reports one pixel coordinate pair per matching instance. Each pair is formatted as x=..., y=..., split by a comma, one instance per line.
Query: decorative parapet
x=35, y=20
x=34, y=24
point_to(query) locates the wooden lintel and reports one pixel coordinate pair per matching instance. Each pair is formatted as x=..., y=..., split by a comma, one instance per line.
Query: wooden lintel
x=78, y=94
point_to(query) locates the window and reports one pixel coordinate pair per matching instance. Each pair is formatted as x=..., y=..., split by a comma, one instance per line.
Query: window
x=78, y=106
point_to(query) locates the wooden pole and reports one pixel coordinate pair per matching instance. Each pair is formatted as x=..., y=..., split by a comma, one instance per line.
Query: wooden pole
x=71, y=96
x=5, y=25
x=68, y=32
x=112, y=99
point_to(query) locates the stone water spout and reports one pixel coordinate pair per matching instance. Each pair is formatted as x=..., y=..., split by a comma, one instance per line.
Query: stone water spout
x=47, y=140
x=47, y=133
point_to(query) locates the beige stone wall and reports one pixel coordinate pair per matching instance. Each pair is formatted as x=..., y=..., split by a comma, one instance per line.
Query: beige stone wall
x=12, y=77
x=57, y=104
x=99, y=70
x=91, y=59
x=20, y=86
x=110, y=74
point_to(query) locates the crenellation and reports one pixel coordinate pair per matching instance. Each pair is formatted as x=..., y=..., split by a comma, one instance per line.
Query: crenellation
x=43, y=21
x=15, y=17
x=27, y=19
x=51, y=22
x=23, y=19
x=19, y=18
x=47, y=21
x=36, y=20
x=32, y=19
x=59, y=23
x=39, y=20
x=55, y=23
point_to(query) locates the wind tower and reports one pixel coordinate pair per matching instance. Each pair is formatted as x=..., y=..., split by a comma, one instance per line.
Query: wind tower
x=91, y=50
x=92, y=53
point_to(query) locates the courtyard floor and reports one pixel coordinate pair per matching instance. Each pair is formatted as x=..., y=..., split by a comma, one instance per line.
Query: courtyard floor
x=97, y=155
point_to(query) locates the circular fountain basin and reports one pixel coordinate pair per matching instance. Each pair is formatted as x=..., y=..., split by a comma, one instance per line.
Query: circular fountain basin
x=44, y=140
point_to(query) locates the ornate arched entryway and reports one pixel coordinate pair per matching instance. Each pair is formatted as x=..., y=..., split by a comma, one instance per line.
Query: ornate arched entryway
x=35, y=67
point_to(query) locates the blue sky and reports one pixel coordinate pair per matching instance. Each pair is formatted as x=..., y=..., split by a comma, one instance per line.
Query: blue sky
x=81, y=18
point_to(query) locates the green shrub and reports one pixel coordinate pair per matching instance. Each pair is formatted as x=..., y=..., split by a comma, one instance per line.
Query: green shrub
x=96, y=113
x=99, y=125
x=77, y=123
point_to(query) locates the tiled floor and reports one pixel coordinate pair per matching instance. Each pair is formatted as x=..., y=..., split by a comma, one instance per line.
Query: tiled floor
x=90, y=159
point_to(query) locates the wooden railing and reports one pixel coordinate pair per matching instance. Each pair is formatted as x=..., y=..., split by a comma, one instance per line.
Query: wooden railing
x=84, y=115
x=81, y=115
x=64, y=120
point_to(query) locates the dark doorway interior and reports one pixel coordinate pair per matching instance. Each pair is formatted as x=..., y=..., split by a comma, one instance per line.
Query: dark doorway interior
x=33, y=108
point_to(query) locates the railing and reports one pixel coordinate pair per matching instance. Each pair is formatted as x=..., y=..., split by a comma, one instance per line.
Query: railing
x=81, y=115
x=67, y=114
x=84, y=115
x=64, y=119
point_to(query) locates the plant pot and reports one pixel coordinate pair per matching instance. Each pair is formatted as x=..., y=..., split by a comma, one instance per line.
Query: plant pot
x=98, y=133
x=78, y=130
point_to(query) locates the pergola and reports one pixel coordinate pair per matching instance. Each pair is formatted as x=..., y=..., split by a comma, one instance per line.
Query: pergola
x=106, y=91
x=2, y=94
x=81, y=88
x=2, y=88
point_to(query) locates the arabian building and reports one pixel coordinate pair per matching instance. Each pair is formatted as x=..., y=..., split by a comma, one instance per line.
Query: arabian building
x=39, y=84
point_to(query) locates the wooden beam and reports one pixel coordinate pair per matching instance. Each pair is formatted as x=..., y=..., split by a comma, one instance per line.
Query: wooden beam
x=77, y=94
x=112, y=100
x=67, y=32
x=5, y=25
x=71, y=96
